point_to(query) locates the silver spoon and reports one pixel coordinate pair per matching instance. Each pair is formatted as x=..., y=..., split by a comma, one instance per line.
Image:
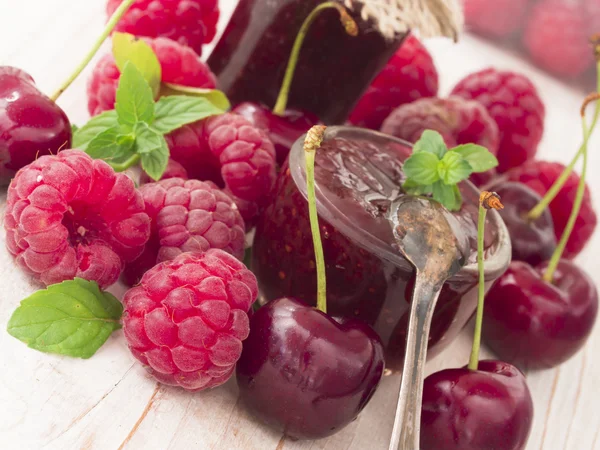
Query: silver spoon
x=429, y=237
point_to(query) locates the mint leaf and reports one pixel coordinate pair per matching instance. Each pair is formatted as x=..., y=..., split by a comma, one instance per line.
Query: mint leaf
x=449, y=196
x=74, y=128
x=431, y=142
x=421, y=168
x=176, y=111
x=72, y=318
x=126, y=47
x=134, y=100
x=479, y=158
x=152, y=147
x=414, y=188
x=453, y=168
x=84, y=135
x=216, y=97
x=110, y=144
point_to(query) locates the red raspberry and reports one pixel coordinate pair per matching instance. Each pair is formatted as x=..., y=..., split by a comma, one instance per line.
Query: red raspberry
x=187, y=319
x=180, y=65
x=189, y=22
x=498, y=18
x=513, y=102
x=70, y=215
x=409, y=75
x=230, y=151
x=557, y=37
x=592, y=13
x=539, y=176
x=173, y=170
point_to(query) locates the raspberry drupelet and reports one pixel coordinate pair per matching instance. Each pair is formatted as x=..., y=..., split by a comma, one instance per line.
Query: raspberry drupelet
x=189, y=22
x=514, y=103
x=188, y=317
x=497, y=19
x=72, y=216
x=179, y=65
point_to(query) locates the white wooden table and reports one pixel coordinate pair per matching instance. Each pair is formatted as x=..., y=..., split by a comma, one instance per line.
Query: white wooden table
x=108, y=401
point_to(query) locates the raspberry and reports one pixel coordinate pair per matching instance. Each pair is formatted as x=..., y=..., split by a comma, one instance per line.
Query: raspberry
x=539, y=176
x=173, y=170
x=231, y=152
x=188, y=317
x=513, y=102
x=459, y=121
x=409, y=75
x=189, y=22
x=179, y=64
x=556, y=37
x=70, y=215
x=498, y=19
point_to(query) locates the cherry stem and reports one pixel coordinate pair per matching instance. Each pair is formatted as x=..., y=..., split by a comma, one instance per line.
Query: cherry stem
x=312, y=142
x=487, y=200
x=110, y=25
x=349, y=25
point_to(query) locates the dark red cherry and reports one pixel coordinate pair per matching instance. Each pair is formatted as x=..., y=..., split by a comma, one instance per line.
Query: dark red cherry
x=305, y=374
x=283, y=130
x=535, y=324
x=488, y=408
x=31, y=124
x=533, y=241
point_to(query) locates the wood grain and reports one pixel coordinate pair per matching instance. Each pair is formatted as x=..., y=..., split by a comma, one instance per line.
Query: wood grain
x=109, y=402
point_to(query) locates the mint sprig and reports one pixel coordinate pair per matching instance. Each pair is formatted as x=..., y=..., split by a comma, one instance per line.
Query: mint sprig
x=435, y=170
x=134, y=131
x=72, y=318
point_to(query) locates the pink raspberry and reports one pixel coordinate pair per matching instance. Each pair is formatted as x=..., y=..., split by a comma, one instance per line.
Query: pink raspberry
x=514, y=103
x=189, y=22
x=173, y=170
x=539, y=176
x=188, y=317
x=180, y=65
x=498, y=18
x=557, y=38
x=72, y=216
x=409, y=75
x=231, y=152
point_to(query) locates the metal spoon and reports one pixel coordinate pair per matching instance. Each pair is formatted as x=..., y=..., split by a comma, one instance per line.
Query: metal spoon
x=429, y=237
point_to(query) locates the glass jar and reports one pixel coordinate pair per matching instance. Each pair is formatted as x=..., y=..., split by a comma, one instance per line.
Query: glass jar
x=333, y=69
x=366, y=277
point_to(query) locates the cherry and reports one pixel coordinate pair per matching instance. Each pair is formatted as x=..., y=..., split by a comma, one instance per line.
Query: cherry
x=283, y=129
x=304, y=373
x=31, y=124
x=487, y=408
x=536, y=324
x=533, y=240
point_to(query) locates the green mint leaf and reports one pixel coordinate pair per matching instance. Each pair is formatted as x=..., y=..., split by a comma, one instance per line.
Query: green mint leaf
x=110, y=144
x=414, y=188
x=175, y=111
x=431, y=142
x=453, y=168
x=216, y=97
x=479, y=158
x=96, y=125
x=126, y=47
x=74, y=128
x=421, y=168
x=449, y=196
x=72, y=318
x=134, y=100
x=153, y=149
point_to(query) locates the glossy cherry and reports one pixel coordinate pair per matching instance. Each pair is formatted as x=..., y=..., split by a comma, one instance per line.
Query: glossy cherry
x=536, y=324
x=533, y=241
x=305, y=374
x=31, y=124
x=488, y=408
x=283, y=129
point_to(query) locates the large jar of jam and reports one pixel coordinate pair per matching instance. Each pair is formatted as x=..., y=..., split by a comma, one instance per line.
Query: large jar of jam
x=333, y=70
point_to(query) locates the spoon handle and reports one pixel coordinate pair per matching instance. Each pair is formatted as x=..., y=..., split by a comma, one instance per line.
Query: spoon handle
x=407, y=423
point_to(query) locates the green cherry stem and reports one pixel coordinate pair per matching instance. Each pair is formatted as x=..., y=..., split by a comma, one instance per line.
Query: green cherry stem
x=350, y=27
x=312, y=142
x=487, y=200
x=122, y=9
